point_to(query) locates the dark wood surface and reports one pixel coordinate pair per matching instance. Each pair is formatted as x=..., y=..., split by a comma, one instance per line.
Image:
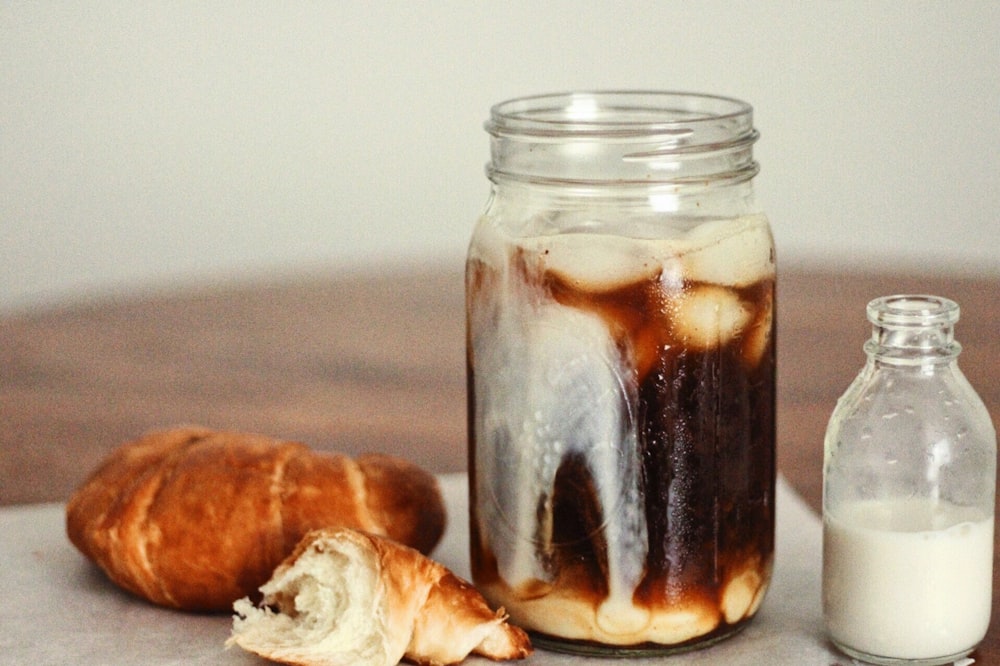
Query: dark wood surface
x=376, y=363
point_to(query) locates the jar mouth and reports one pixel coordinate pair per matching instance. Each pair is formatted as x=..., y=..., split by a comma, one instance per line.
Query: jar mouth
x=625, y=114
x=595, y=138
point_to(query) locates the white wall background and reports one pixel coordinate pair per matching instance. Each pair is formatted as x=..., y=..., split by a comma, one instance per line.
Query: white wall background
x=144, y=144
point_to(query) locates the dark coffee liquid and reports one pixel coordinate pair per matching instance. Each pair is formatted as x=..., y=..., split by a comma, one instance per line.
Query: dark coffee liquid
x=702, y=405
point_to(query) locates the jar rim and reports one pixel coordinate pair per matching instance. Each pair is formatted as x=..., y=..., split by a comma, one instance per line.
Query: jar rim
x=615, y=113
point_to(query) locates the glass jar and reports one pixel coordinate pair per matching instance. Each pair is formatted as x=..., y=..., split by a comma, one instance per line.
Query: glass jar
x=621, y=372
x=908, y=495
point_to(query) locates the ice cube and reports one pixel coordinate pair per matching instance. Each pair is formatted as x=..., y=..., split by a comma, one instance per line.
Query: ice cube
x=708, y=316
x=730, y=253
x=758, y=334
x=742, y=594
x=595, y=263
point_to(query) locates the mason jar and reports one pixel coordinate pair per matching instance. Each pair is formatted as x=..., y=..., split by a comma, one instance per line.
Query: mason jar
x=620, y=292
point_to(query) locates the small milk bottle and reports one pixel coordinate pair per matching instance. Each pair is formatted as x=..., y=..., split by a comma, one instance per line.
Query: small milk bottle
x=909, y=478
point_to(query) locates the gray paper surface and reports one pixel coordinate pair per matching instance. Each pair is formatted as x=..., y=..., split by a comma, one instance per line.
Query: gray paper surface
x=58, y=608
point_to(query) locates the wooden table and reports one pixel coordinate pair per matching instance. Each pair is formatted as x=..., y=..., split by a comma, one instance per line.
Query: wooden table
x=363, y=362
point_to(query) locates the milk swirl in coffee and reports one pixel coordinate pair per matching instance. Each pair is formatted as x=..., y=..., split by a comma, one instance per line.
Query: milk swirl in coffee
x=621, y=411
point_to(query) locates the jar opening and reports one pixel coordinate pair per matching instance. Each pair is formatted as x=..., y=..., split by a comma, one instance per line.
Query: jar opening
x=617, y=113
x=619, y=137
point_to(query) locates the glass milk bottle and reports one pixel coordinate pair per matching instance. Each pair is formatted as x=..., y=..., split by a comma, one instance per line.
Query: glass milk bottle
x=620, y=298
x=908, y=495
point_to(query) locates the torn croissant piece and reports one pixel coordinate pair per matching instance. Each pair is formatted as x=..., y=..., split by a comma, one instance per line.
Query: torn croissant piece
x=193, y=518
x=346, y=597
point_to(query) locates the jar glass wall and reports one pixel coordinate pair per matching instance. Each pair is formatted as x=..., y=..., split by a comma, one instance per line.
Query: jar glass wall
x=620, y=299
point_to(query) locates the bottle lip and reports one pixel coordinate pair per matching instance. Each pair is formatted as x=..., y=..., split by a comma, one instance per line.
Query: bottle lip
x=627, y=114
x=912, y=310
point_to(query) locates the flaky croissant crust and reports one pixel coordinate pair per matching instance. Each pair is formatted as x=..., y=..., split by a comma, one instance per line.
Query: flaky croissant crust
x=349, y=598
x=194, y=518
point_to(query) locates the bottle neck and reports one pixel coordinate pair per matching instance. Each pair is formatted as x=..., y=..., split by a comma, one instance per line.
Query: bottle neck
x=913, y=331
x=623, y=140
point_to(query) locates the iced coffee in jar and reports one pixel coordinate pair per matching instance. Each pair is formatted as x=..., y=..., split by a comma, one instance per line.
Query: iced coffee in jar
x=621, y=372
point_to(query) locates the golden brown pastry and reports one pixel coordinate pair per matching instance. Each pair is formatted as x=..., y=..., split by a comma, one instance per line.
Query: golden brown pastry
x=348, y=598
x=194, y=519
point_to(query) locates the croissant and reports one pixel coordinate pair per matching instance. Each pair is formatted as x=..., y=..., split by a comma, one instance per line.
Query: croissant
x=348, y=598
x=194, y=519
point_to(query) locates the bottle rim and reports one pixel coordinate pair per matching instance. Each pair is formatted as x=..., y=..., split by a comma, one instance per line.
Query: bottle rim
x=912, y=310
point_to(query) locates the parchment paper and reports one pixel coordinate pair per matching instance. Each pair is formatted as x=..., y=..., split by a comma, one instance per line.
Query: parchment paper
x=57, y=608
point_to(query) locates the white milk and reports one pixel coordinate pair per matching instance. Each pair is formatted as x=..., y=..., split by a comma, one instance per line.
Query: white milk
x=907, y=579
